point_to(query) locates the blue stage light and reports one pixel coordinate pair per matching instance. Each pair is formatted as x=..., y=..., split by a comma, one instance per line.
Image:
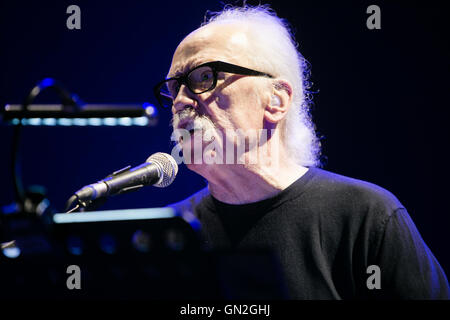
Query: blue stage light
x=75, y=245
x=108, y=244
x=67, y=122
x=11, y=252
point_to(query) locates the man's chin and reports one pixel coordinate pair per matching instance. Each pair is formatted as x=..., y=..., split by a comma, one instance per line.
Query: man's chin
x=201, y=169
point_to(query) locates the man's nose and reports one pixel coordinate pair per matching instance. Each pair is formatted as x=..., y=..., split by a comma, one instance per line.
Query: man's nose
x=184, y=98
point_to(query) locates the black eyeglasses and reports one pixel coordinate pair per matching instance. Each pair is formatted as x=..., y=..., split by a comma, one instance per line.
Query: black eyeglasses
x=201, y=79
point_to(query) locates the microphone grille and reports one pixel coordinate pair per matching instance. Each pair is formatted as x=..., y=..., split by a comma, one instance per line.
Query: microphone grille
x=168, y=166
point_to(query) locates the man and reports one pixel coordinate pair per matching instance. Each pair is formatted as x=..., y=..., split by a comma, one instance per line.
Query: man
x=241, y=72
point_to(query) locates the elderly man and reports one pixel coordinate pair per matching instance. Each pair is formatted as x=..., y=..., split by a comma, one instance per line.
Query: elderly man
x=241, y=72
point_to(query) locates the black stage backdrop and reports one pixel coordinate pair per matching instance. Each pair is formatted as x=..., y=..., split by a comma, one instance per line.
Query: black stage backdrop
x=381, y=107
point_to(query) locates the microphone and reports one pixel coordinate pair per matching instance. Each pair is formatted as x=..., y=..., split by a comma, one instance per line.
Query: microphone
x=160, y=170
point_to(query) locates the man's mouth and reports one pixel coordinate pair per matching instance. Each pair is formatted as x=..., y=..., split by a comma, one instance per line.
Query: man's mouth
x=188, y=125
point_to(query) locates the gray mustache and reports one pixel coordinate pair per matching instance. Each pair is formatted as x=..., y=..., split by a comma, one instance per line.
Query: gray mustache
x=185, y=113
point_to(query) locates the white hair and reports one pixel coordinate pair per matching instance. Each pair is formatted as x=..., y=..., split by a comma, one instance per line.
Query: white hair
x=278, y=55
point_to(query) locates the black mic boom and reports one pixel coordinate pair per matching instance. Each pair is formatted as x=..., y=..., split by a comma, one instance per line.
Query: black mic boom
x=159, y=170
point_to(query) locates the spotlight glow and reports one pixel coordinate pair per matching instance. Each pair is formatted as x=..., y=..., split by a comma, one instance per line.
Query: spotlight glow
x=67, y=122
x=12, y=252
x=95, y=122
x=49, y=122
x=125, y=121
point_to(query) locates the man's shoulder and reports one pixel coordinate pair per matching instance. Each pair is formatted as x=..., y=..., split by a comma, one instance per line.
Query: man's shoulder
x=190, y=203
x=354, y=193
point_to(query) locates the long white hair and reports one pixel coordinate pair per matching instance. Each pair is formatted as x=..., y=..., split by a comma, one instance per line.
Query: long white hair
x=277, y=54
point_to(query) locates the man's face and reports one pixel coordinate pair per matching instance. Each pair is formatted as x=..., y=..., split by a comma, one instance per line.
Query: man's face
x=237, y=102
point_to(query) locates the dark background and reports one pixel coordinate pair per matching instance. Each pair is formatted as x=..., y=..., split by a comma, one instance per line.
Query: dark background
x=381, y=107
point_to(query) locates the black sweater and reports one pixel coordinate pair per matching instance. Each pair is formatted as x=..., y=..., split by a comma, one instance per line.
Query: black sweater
x=326, y=230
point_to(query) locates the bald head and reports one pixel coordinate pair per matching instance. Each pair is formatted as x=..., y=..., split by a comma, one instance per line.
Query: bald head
x=228, y=42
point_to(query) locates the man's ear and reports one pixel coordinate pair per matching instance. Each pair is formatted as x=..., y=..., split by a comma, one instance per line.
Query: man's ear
x=279, y=101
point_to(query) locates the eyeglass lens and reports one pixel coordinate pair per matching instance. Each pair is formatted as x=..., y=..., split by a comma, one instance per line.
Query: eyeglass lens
x=198, y=80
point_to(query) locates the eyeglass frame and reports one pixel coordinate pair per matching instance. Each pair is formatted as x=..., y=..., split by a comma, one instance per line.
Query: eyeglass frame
x=216, y=67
